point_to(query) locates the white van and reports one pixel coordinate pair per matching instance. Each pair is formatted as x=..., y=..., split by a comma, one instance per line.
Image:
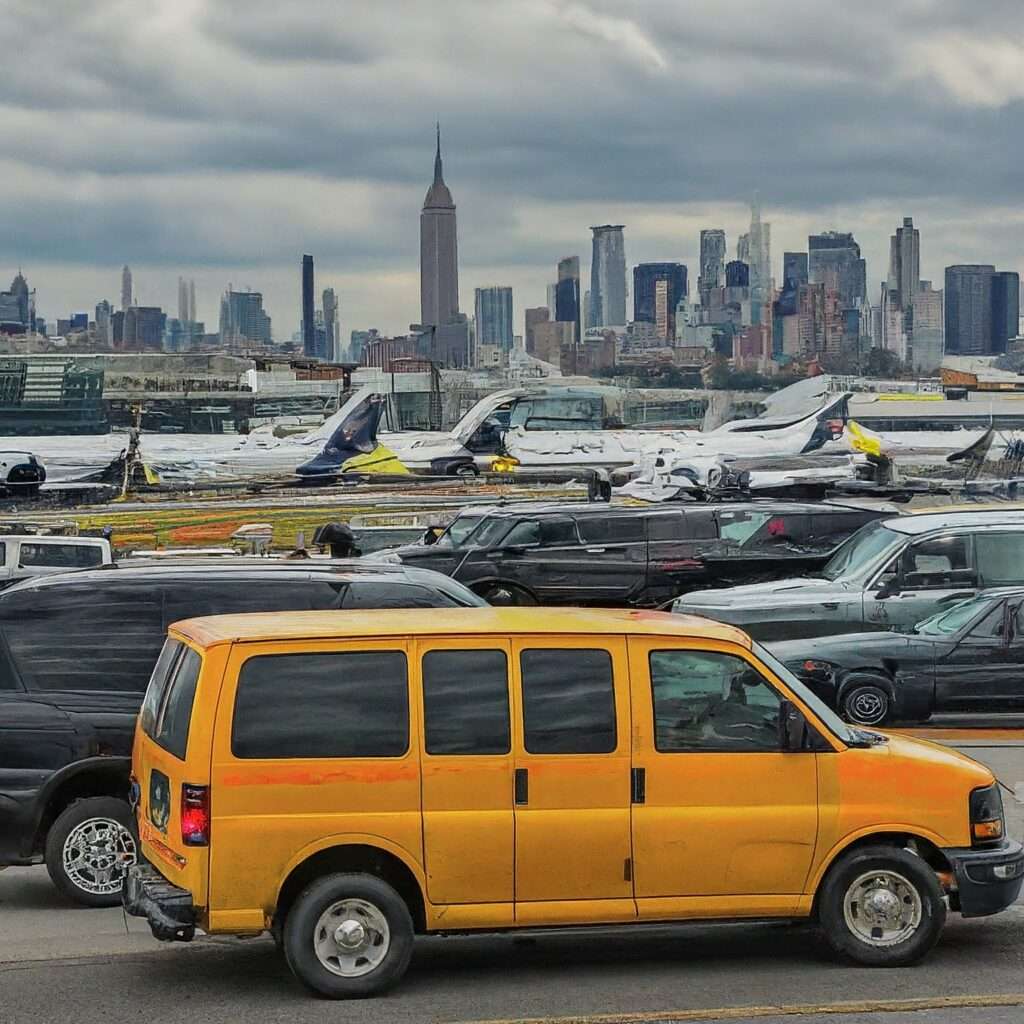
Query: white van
x=23, y=556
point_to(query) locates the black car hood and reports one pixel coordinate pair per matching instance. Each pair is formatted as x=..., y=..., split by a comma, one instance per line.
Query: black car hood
x=856, y=646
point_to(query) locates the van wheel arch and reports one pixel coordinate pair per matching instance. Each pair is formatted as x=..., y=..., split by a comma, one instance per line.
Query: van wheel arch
x=353, y=858
x=924, y=848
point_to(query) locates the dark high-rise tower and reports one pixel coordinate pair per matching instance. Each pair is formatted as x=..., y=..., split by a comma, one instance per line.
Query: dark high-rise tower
x=439, y=258
x=308, y=309
x=645, y=280
x=712, y=261
x=567, y=292
x=969, y=308
x=835, y=262
x=794, y=269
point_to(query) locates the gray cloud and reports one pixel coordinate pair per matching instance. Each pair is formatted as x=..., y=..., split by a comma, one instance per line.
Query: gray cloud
x=239, y=133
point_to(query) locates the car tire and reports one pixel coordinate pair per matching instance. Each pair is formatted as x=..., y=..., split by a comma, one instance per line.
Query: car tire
x=370, y=916
x=505, y=595
x=89, y=847
x=881, y=906
x=866, y=702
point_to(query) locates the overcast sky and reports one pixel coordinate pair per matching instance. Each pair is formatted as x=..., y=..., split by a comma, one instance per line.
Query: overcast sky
x=221, y=139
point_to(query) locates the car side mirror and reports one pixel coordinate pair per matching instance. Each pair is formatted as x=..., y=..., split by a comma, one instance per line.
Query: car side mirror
x=792, y=727
x=888, y=585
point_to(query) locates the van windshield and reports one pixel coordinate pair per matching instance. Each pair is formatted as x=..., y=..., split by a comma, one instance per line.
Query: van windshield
x=825, y=714
x=861, y=549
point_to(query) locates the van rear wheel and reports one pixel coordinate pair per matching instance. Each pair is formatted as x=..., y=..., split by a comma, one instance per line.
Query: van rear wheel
x=348, y=936
x=882, y=906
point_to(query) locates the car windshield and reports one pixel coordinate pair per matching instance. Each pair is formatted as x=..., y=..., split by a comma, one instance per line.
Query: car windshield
x=489, y=532
x=825, y=714
x=952, y=620
x=862, y=548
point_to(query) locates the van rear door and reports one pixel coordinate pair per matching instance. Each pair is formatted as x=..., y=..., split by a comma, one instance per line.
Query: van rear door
x=172, y=768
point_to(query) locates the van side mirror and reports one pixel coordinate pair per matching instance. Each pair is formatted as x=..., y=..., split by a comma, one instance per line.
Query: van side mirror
x=792, y=727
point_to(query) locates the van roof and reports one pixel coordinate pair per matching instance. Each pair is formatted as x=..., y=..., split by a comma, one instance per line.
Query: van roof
x=331, y=625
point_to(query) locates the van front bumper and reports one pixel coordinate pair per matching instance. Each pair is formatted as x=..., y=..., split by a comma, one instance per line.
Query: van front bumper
x=167, y=907
x=988, y=880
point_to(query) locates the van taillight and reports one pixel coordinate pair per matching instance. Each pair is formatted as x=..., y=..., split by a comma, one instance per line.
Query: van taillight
x=195, y=815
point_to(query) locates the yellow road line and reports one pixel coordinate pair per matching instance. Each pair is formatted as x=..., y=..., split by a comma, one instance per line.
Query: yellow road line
x=754, y=1012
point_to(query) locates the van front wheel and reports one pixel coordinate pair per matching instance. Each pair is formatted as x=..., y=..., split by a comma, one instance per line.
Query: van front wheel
x=881, y=906
x=348, y=936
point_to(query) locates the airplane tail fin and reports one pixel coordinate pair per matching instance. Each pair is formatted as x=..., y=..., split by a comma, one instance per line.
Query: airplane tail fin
x=827, y=423
x=355, y=435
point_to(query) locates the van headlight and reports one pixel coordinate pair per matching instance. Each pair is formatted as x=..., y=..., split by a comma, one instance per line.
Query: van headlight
x=988, y=824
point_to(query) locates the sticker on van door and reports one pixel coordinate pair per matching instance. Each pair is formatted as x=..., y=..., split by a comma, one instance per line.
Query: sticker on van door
x=159, y=800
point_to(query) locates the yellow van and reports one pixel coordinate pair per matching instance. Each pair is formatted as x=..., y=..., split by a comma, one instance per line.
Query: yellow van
x=348, y=780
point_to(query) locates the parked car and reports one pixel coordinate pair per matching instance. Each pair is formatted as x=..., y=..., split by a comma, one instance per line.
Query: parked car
x=890, y=575
x=21, y=474
x=25, y=555
x=442, y=788
x=967, y=658
x=76, y=653
x=632, y=555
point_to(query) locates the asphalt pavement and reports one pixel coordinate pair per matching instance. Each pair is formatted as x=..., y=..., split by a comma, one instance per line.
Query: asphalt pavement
x=59, y=962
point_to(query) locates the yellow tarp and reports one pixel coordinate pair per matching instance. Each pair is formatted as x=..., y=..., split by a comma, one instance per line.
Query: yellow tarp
x=863, y=440
x=380, y=460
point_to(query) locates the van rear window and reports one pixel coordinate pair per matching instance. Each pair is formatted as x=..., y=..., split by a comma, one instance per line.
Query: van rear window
x=171, y=727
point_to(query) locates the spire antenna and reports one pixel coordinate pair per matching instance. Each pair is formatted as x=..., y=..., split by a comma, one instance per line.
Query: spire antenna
x=438, y=177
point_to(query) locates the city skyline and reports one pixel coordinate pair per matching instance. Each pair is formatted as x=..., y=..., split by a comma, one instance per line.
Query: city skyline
x=166, y=177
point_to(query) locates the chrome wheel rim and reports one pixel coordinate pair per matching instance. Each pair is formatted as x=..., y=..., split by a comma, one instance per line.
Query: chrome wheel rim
x=867, y=707
x=351, y=938
x=96, y=855
x=882, y=909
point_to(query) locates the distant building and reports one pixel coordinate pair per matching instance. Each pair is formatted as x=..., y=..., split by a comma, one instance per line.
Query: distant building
x=755, y=249
x=608, y=277
x=439, y=261
x=795, y=269
x=835, y=261
x=982, y=309
x=126, y=288
x=645, y=280
x=737, y=274
x=452, y=343
x=533, y=316
x=104, y=332
x=308, y=317
x=143, y=328
x=712, y=261
x=359, y=342
x=549, y=339
x=493, y=307
x=905, y=261
x=926, y=344
x=17, y=307
x=567, y=292
x=332, y=339
x=242, y=318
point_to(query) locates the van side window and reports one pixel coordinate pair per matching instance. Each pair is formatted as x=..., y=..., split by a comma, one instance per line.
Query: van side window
x=568, y=702
x=556, y=532
x=465, y=702
x=84, y=637
x=64, y=556
x=340, y=704
x=611, y=529
x=175, y=717
x=707, y=701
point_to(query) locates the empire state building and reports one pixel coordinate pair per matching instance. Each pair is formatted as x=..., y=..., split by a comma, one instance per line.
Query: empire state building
x=439, y=261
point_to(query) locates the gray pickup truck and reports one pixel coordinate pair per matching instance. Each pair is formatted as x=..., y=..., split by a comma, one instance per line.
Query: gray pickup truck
x=889, y=575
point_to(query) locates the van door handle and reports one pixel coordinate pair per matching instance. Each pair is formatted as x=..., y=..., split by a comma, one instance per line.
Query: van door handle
x=830, y=605
x=638, y=786
x=595, y=551
x=522, y=784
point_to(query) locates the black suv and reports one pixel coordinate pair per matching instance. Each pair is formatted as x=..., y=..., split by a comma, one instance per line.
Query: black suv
x=632, y=555
x=76, y=653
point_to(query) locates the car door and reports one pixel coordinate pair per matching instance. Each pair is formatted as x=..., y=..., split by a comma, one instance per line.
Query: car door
x=719, y=809
x=571, y=743
x=928, y=575
x=553, y=568
x=466, y=771
x=982, y=671
x=613, y=559
x=676, y=544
